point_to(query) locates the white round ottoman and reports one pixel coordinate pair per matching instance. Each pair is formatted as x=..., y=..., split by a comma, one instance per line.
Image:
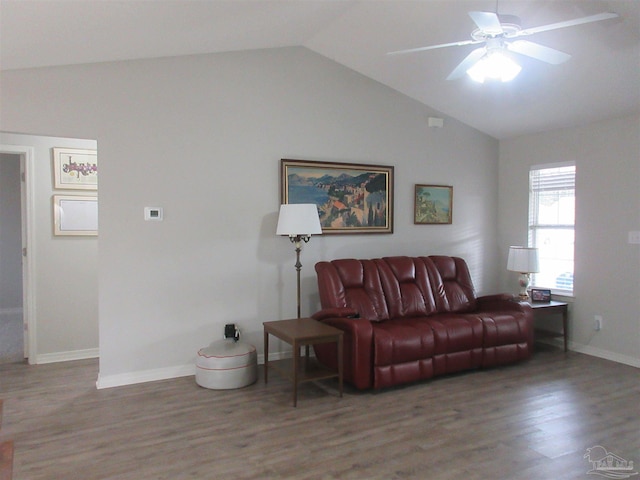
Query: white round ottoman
x=227, y=364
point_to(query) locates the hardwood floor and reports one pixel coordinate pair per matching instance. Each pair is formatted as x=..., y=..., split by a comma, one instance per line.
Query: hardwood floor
x=6, y=453
x=529, y=421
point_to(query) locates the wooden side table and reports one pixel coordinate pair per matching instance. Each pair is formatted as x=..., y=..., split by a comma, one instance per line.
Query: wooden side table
x=299, y=332
x=552, y=308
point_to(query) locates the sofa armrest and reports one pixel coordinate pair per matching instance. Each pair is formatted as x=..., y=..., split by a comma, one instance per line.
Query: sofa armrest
x=501, y=301
x=337, y=312
x=498, y=296
x=358, y=338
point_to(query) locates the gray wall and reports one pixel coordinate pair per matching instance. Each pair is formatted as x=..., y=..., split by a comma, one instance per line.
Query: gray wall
x=202, y=137
x=607, y=267
x=10, y=233
x=11, y=323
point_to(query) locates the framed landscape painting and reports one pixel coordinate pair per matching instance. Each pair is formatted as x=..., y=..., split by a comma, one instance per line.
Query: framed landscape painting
x=433, y=205
x=351, y=198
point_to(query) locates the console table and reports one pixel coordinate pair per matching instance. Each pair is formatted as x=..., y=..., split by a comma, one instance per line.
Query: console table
x=299, y=332
x=552, y=308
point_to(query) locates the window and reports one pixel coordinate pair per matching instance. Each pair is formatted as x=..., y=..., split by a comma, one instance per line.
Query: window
x=551, y=225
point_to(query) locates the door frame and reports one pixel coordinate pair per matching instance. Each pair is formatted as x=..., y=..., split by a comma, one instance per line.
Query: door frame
x=27, y=202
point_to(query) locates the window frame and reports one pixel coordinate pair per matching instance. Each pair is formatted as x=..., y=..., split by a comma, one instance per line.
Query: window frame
x=533, y=227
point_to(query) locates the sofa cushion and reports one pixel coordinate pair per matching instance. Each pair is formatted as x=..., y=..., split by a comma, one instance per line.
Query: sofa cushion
x=507, y=338
x=504, y=328
x=459, y=342
x=456, y=332
x=401, y=341
x=389, y=375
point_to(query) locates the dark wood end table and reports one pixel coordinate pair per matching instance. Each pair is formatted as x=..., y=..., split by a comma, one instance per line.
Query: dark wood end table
x=299, y=332
x=552, y=308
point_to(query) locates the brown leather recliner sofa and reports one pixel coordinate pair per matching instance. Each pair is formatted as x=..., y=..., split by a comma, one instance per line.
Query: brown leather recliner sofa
x=412, y=318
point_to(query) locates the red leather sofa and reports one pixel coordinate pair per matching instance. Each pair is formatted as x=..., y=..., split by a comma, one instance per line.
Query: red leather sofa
x=412, y=318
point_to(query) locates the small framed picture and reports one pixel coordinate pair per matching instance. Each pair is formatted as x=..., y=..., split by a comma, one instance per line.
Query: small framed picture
x=433, y=205
x=540, y=295
x=75, y=215
x=75, y=169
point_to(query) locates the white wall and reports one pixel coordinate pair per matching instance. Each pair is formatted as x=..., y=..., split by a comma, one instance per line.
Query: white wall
x=607, y=267
x=202, y=137
x=66, y=285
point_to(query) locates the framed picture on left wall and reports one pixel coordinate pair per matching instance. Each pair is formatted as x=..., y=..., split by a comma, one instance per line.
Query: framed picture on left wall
x=75, y=215
x=75, y=169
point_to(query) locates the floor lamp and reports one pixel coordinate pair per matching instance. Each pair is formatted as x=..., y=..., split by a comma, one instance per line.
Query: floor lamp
x=298, y=221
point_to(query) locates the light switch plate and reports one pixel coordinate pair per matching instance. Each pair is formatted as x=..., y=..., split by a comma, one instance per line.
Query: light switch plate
x=634, y=237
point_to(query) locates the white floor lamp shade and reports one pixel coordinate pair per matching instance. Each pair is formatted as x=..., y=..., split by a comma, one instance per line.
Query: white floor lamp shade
x=298, y=221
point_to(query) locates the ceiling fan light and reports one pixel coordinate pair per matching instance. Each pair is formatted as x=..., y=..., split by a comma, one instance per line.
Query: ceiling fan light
x=477, y=71
x=495, y=65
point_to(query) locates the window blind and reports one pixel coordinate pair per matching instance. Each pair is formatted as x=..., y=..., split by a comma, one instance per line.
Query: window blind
x=551, y=224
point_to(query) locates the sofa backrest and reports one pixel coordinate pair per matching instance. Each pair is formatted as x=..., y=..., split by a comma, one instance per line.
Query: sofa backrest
x=407, y=286
x=453, y=286
x=396, y=287
x=352, y=283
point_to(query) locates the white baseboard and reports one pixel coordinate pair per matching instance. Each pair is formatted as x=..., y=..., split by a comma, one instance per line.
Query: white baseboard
x=142, y=376
x=121, y=379
x=67, y=356
x=279, y=356
x=607, y=355
x=594, y=352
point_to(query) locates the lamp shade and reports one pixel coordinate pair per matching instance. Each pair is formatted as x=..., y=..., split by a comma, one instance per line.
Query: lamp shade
x=298, y=219
x=523, y=260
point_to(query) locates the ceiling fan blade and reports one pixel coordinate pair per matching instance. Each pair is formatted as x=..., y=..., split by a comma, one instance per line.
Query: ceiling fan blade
x=467, y=63
x=487, y=22
x=539, y=52
x=568, y=23
x=432, y=47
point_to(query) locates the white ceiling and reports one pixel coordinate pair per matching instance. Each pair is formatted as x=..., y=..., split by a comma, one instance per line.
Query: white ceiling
x=601, y=80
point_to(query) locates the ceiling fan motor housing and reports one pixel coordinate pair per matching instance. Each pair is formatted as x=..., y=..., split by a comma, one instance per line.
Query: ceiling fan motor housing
x=510, y=26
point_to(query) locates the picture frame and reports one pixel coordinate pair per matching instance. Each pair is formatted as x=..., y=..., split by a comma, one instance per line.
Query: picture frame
x=540, y=295
x=75, y=215
x=351, y=198
x=75, y=169
x=433, y=205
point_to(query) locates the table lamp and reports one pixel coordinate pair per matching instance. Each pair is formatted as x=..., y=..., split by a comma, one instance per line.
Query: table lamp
x=523, y=260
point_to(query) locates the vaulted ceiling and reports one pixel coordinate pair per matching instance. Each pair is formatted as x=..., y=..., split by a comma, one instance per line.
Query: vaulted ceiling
x=601, y=80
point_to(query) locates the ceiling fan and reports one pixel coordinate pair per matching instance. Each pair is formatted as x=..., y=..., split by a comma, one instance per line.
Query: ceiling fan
x=501, y=34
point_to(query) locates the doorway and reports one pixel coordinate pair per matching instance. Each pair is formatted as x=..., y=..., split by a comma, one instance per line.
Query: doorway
x=12, y=324
x=54, y=329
